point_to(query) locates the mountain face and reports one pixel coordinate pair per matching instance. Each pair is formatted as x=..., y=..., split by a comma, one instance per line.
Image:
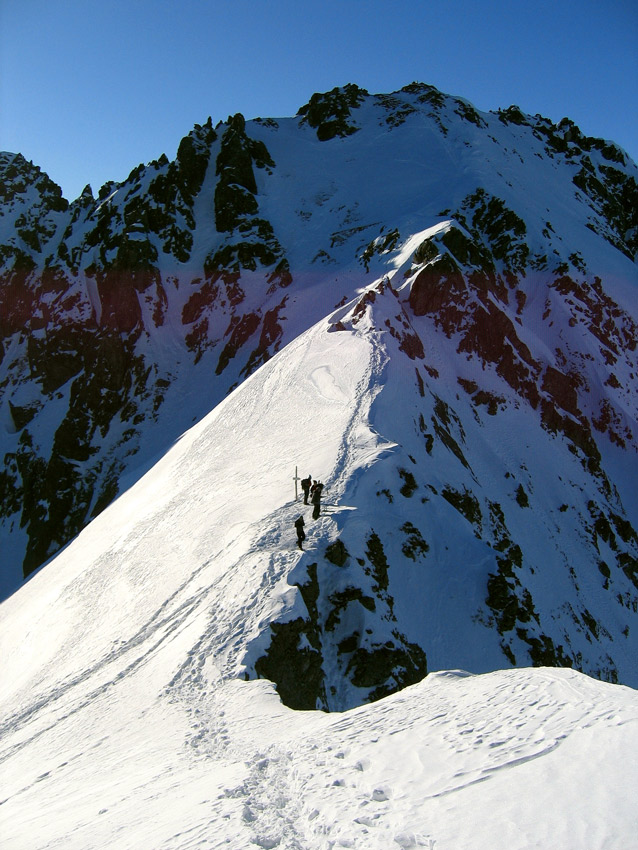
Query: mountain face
x=486, y=262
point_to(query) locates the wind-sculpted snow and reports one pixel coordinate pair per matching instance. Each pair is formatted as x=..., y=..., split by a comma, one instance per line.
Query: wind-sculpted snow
x=215, y=763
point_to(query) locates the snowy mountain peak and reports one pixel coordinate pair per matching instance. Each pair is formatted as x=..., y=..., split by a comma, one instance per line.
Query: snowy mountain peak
x=432, y=311
x=487, y=263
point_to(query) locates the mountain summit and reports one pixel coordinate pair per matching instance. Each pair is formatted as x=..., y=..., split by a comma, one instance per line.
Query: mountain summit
x=486, y=265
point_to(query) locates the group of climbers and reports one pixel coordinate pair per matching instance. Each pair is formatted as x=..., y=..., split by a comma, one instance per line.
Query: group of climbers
x=311, y=490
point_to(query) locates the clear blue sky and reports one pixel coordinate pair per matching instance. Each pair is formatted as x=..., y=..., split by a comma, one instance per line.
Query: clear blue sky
x=90, y=89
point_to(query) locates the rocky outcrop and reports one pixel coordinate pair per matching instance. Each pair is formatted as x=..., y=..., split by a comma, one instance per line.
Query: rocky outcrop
x=249, y=246
x=330, y=114
x=332, y=635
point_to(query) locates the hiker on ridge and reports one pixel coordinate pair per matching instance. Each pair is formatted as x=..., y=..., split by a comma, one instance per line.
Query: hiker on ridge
x=305, y=486
x=301, y=534
x=317, y=487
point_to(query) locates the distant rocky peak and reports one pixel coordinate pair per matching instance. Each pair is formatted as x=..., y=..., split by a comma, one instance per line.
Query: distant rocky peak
x=31, y=211
x=330, y=114
x=192, y=159
x=18, y=175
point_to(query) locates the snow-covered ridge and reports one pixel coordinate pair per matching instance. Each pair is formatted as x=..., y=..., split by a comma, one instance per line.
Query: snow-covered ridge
x=489, y=259
x=126, y=719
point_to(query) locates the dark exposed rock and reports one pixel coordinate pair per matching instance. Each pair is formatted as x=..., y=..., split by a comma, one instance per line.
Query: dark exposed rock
x=387, y=668
x=436, y=290
x=192, y=158
x=376, y=667
x=465, y=503
x=295, y=669
x=237, y=187
x=492, y=336
x=468, y=113
x=337, y=553
x=512, y=115
x=240, y=330
x=504, y=230
x=269, y=339
x=329, y=113
x=409, y=483
x=379, y=246
x=425, y=252
x=562, y=389
x=443, y=422
x=377, y=557
x=414, y=545
x=341, y=599
x=398, y=109
x=23, y=415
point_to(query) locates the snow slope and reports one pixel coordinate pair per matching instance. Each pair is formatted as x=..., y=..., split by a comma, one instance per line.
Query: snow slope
x=432, y=310
x=126, y=722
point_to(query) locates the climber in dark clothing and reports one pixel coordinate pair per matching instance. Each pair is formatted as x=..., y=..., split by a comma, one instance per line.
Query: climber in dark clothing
x=317, y=487
x=305, y=486
x=301, y=534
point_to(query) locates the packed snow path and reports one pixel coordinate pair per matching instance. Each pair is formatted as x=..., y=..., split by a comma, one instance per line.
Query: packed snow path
x=520, y=759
